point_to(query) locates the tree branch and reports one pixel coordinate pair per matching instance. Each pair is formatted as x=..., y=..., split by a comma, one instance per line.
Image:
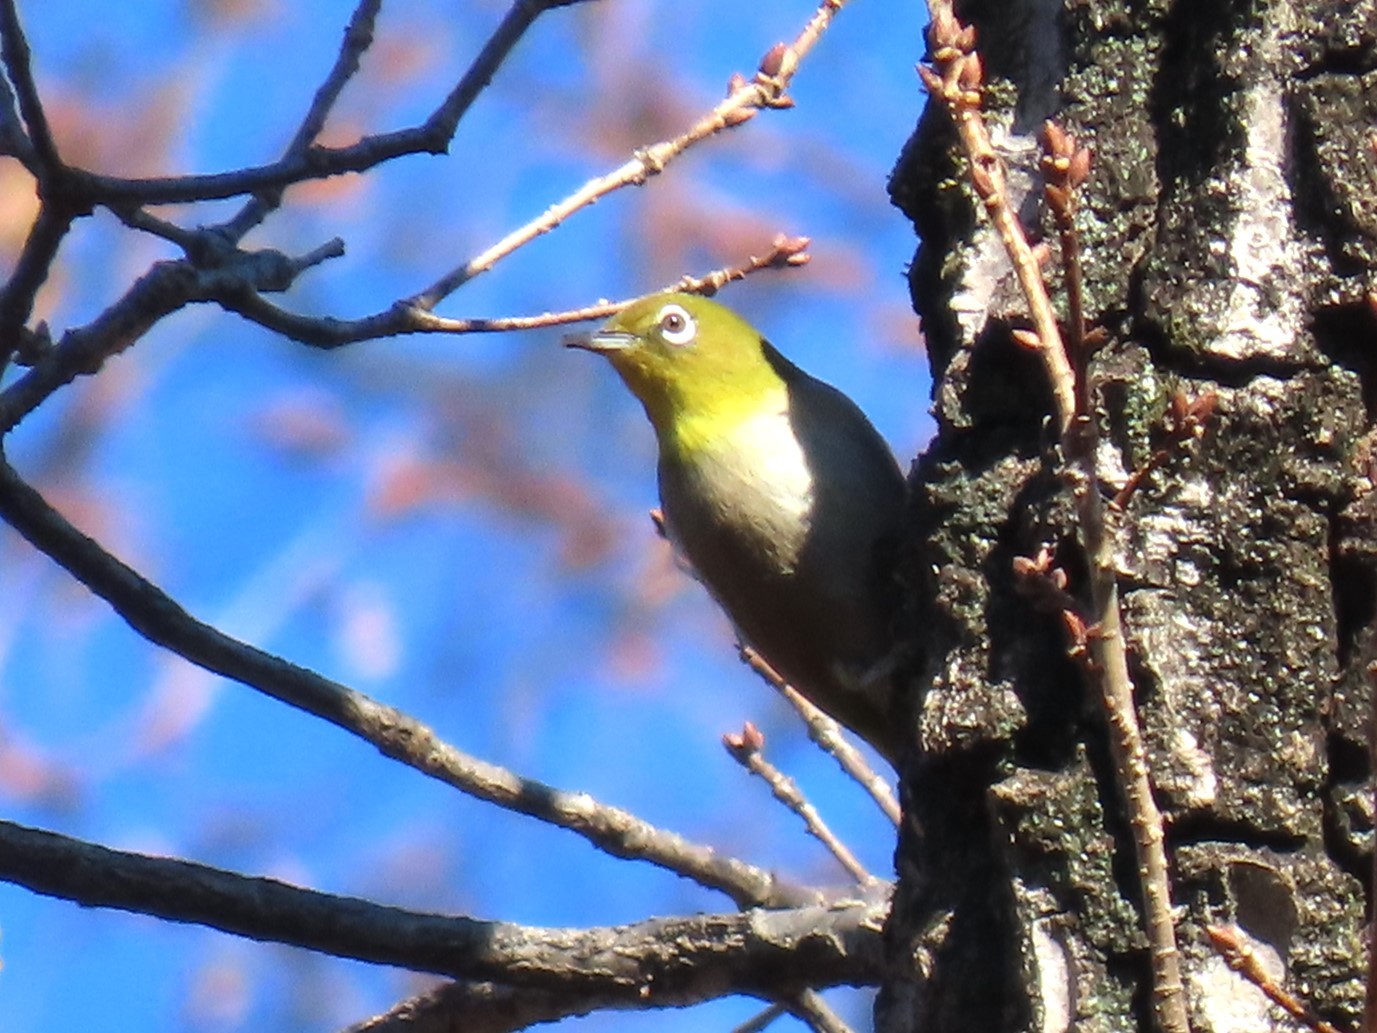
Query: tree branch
x=747, y=749
x=358, y=37
x=156, y=616
x=477, y=1008
x=14, y=50
x=744, y=99
x=828, y=735
x=957, y=81
x=405, y=318
x=656, y=962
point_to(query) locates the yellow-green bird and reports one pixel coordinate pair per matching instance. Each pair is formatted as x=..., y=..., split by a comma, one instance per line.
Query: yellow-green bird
x=778, y=492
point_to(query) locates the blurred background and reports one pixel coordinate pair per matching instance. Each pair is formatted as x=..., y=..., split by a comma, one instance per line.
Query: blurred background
x=454, y=525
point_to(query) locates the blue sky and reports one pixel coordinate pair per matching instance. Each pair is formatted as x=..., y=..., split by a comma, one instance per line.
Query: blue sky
x=454, y=525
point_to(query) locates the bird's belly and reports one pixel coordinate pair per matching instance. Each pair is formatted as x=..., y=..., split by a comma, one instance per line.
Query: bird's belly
x=748, y=526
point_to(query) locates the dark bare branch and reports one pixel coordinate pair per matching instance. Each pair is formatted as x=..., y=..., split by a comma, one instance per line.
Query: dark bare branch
x=163, y=289
x=358, y=37
x=404, y=317
x=14, y=50
x=656, y=962
x=318, y=162
x=156, y=616
x=30, y=272
x=476, y=1008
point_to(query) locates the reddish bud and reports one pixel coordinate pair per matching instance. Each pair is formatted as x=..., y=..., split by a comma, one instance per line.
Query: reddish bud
x=931, y=80
x=1026, y=339
x=1204, y=406
x=943, y=29
x=1058, y=198
x=1053, y=138
x=789, y=250
x=983, y=181
x=1075, y=629
x=972, y=72
x=779, y=60
x=1079, y=171
x=744, y=743
x=1180, y=406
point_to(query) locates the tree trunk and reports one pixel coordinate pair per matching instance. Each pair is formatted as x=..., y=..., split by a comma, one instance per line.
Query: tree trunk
x=1229, y=231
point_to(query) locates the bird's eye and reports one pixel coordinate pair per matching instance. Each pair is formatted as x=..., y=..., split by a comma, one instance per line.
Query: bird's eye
x=676, y=325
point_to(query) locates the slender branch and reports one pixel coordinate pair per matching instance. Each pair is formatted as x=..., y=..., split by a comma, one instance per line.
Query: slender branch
x=1241, y=958
x=743, y=101
x=14, y=51
x=496, y=1008
x=957, y=83
x=828, y=735
x=217, y=268
x=57, y=206
x=656, y=962
x=1185, y=422
x=49, y=229
x=166, y=287
x=761, y=1020
x=316, y=161
x=14, y=142
x=810, y=1009
x=404, y=318
x=746, y=748
x=1370, y=1003
x=522, y=14
x=358, y=37
x=157, y=617
x=478, y=1008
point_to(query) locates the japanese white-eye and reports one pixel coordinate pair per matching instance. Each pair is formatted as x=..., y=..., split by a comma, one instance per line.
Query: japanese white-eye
x=780, y=495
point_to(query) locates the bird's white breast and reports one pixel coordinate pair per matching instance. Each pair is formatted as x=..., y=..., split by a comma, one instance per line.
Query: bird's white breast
x=753, y=481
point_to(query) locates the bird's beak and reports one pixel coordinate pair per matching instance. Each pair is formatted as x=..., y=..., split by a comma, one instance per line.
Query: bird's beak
x=602, y=341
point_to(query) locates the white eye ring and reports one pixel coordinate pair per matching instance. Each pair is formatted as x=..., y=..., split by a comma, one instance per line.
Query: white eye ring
x=676, y=325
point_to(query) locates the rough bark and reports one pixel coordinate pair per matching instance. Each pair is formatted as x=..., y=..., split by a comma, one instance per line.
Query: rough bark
x=1230, y=232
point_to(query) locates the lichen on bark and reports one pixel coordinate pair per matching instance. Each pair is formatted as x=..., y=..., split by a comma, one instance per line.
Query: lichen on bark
x=1228, y=229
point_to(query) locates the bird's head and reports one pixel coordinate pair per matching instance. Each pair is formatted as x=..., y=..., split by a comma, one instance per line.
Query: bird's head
x=692, y=362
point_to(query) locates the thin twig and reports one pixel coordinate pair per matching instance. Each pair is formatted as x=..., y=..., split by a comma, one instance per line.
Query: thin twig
x=743, y=101
x=761, y=1020
x=317, y=161
x=746, y=749
x=1370, y=1006
x=49, y=229
x=405, y=318
x=476, y=1007
x=157, y=617
x=14, y=50
x=14, y=142
x=827, y=733
x=166, y=287
x=1241, y=958
x=1185, y=422
x=655, y=962
x=358, y=37
x=957, y=83
x=810, y=1009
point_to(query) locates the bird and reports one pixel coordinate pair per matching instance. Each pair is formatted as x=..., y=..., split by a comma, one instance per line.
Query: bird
x=779, y=495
